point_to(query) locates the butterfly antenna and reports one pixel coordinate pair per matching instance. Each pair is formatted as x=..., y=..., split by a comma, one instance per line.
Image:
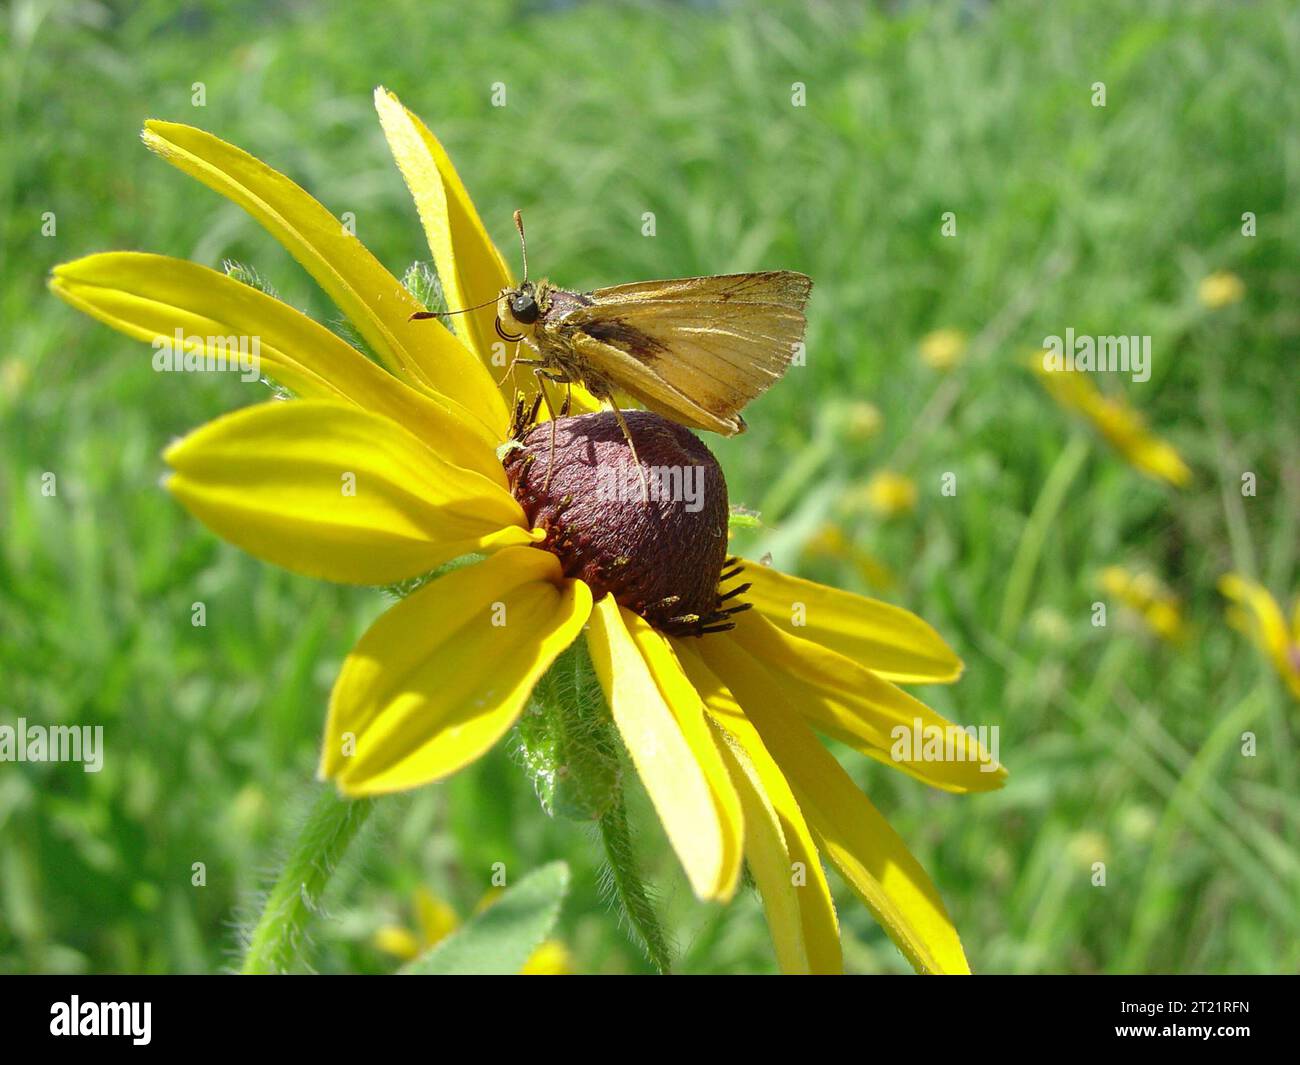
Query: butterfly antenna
x=523, y=245
x=523, y=249
x=420, y=315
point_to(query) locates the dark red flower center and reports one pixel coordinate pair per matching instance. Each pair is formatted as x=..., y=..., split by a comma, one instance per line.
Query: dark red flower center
x=654, y=537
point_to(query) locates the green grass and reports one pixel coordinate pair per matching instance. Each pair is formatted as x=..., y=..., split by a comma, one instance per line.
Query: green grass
x=1121, y=749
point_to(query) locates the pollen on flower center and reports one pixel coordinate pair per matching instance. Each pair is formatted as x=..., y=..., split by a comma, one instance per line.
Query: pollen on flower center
x=663, y=557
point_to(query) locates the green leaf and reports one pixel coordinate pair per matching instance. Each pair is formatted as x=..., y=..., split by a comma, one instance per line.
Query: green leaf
x=566, y=740
x=421, y=281
x=249, y=276
x=501, y=939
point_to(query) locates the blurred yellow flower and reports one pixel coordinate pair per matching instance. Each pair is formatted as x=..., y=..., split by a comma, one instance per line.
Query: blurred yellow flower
x=1139, y=823
x=14, y=375
x=397, y=940
x=1256, y=613
x=1220, y=289
x=1087, y=847
x=943, y=349
x=1050, y=625
x=830, y=542
x=862, y=420
x=552, y=958
x=889, y=494
x=435, y=920
x=1121, y=425
x=1142, y=593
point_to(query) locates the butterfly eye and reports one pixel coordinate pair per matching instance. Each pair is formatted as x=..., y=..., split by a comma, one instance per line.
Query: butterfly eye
x=525, y=309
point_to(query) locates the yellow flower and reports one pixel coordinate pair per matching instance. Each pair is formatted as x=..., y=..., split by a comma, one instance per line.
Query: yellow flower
x=1149, y=599
x=1050, y=624
x=830, y=542
x=381, y=475
x=862, y=420
x=1086, y=847
x=1258, y=614
x=943, y=349
x=1120, y=425
x=888, y=494
x=552, y=958
x=435, y=920
x=1220, y=289
x=14, y=376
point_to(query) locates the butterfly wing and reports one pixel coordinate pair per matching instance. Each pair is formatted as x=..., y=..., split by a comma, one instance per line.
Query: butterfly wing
x=633, y=378
x=695, y=349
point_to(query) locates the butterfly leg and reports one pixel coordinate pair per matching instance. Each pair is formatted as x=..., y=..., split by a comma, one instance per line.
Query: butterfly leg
x=518, y=360
x=622, y=424
x=543, y=374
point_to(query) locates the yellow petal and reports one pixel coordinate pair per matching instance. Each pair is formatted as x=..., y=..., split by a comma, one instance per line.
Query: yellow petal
x=848, y=830
x=469, y=266
x=1269, y=627
x=1267, y=614
x=150, y=297
x=1121, y=425
x=665, y=735
x=435, y=916
x=774, y=867
x=373, y=300
x=769, y=861
x=850, y=703
x=688, y=710
x=440, y=677
x=333, y=491
x=891, y=642
x=820, y=930
x=1151, y=455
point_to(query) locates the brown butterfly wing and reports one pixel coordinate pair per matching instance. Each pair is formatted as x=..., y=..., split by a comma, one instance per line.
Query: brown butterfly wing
x=695, y=349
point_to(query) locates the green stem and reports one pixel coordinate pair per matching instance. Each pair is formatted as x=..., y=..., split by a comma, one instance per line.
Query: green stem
x=568, y=744
x=1048, y=505
x=1159, y=878
x=278, y=937
x=630, y=889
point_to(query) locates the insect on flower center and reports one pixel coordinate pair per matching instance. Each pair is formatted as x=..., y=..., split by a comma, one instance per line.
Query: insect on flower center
x=665, y=557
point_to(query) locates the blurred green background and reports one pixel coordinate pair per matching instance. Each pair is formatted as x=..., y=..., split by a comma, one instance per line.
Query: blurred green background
x=1123, y=747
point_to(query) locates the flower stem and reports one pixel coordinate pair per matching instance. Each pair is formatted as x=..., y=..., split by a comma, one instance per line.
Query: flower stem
x=630, y=889
x=280, y=933
x=569, y=746
x=1051, y=498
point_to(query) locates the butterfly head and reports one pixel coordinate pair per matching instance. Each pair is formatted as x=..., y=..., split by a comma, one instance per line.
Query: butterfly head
x=519, y=310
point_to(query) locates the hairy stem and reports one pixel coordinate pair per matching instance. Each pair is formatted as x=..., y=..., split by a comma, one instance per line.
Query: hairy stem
x=630, y=889
x=568, y=744
x=280, y=933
